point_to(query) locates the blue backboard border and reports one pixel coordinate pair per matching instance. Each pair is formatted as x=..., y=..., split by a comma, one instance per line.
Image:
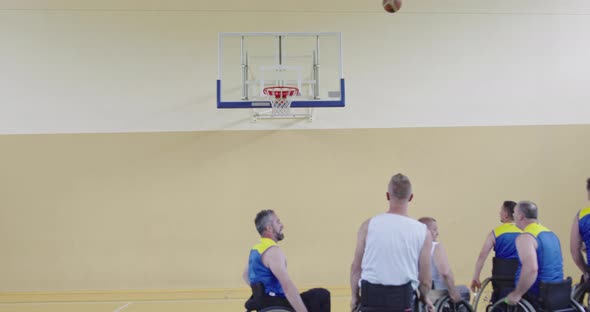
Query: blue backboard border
x=294, y=104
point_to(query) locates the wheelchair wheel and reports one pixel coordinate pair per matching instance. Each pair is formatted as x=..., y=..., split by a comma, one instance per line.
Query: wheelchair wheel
x=577, y=306
x=484, y=297
x=522, y=306
x=580, y=292
x=276, y=309
x=445, y=304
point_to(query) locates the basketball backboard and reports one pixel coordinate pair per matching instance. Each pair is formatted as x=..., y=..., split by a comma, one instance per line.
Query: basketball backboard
x=250, y=62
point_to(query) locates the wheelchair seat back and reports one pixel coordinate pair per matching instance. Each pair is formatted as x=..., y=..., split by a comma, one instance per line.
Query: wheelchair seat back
x=255, y=301
x=258, y=290
x=555, y=296
x=504, y=268
x=382, y=298
x=503, y=275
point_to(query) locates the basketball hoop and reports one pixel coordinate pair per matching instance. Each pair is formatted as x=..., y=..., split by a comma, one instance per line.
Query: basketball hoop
x=280, y=99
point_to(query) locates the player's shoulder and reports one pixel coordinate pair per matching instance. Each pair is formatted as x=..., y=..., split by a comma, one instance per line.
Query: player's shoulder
x=274, y=253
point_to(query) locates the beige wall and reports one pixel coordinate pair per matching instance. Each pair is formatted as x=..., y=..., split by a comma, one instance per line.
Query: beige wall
x=72, y=66
x=162, y=214
x=175, y=210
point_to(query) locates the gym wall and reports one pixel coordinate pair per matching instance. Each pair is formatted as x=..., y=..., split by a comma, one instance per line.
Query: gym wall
x=119, y=173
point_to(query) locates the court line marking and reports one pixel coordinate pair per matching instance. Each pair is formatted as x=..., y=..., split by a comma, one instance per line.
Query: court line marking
x=119, y=301
x=123, y=307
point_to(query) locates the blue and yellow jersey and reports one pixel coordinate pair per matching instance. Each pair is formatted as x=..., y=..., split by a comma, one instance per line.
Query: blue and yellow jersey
x=258, y=272
x=505, y=245
x=584, y=228
x=548, y=256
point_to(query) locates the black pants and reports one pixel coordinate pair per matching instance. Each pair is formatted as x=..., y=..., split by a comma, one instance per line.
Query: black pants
x=315, y=300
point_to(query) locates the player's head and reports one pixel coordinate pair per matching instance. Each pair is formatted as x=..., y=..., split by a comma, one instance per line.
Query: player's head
x=269, y=225
x=400, y=188
x=431, y=225
x=588, y=187
x=507, y=211
x=526, y=212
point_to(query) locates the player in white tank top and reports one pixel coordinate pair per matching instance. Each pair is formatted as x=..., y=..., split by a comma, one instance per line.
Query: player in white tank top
x=393, y=249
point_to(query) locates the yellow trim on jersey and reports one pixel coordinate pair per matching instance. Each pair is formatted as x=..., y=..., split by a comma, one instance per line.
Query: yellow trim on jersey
x=535, y=229
x=584, y=212
x=264, y=244
x=506, y=228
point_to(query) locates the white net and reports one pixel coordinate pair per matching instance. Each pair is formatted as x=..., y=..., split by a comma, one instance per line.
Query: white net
x=280, y=99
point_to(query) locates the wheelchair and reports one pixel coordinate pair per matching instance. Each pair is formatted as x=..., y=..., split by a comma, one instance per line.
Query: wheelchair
x=581, y=290
x=445, y=304
x=254, y=303
x=403, y=298
x=382, y=298
x=553, y=297
x=502, y=281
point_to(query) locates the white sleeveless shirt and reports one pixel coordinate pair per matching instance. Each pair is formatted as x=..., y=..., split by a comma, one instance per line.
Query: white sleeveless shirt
x=392, y=250
x=437, y=280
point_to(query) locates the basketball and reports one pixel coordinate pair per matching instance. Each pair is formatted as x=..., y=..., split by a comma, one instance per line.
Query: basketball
x=392, y=6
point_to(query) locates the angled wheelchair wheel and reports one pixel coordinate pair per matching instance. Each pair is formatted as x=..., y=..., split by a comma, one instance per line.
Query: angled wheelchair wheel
x=445, y=304
x=522, y=306
x=577, y=306
x=580, y=292
x=483, y=298
x=276, y=309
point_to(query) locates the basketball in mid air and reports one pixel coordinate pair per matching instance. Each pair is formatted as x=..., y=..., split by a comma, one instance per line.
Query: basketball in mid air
x=392, y=6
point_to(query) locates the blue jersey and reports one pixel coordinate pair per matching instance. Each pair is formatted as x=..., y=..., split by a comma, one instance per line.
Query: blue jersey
x=549, y=258
x=505, y=245
x=584, y=228
x=258, y=272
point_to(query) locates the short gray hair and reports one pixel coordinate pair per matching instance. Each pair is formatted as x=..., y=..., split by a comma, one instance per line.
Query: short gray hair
x=400, y=187
x=427, y=220
x=528, y=209
x=262, y=220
